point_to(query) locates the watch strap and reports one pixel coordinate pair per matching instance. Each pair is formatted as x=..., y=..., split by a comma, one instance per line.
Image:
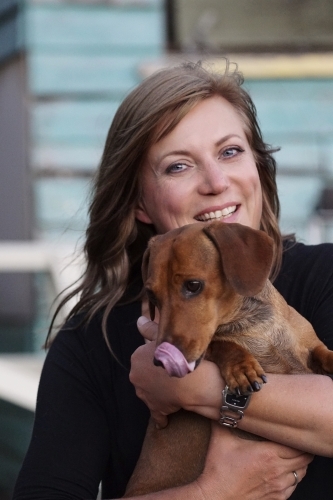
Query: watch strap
x=233, y=407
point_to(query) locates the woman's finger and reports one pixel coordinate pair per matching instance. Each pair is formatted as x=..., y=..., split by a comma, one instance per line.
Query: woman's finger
x=300, y=473
x=147, y=328
x=160, y=419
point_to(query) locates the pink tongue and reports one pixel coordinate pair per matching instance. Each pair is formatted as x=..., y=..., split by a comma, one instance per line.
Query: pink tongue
x=173, y=360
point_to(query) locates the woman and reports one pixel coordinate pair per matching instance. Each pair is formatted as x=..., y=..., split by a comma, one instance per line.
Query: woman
x=183, y=146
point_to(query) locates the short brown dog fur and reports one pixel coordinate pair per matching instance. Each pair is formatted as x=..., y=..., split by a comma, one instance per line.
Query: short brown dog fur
x=210, y=284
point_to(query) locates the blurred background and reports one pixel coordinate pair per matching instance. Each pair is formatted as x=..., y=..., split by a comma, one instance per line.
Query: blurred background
x=65, y=65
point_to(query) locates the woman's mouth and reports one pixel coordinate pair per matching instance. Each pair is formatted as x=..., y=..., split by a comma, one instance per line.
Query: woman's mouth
x=217, y=214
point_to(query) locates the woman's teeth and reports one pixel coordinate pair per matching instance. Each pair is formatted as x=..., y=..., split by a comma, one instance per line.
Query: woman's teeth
x=218, y=214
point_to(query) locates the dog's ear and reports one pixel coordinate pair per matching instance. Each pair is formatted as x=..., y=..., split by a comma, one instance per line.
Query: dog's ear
x=144, y=272
x=246, y=255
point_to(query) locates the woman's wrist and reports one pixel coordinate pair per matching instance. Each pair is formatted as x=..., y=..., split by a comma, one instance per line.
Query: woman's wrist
x=204, y=391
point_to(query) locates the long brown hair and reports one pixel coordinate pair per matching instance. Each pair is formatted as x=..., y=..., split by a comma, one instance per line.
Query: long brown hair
x=115, y=240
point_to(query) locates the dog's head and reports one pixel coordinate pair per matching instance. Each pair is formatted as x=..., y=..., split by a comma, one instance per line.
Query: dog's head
x=196, y=276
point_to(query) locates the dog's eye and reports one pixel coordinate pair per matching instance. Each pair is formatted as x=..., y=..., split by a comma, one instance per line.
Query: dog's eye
x=192, y=287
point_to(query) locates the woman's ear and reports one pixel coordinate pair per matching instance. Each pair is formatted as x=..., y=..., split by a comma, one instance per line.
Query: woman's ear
x=141, y=214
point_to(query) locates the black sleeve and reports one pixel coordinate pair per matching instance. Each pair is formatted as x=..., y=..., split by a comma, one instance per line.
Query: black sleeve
x=306, y=282
x=84, y=430
x=70, y=441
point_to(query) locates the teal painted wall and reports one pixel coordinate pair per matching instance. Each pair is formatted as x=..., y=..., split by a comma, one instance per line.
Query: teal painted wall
x=81, y=60
x=297, y=116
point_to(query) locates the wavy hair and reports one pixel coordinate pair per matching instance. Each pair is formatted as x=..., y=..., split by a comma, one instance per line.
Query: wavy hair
x=115, y=240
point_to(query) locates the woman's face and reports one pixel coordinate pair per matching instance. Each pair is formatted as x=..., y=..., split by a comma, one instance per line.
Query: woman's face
x=202, y=170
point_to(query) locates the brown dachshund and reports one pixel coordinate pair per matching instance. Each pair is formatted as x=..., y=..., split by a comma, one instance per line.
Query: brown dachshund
x=210, y=284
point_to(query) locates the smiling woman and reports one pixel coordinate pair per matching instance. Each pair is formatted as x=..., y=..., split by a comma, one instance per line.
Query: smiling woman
x=184, y=147
x=201, y=173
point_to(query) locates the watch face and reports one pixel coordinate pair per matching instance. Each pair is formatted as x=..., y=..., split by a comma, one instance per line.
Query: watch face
x=237, y=401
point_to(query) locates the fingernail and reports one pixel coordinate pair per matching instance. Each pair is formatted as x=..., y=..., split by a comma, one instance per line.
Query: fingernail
x=142, y=320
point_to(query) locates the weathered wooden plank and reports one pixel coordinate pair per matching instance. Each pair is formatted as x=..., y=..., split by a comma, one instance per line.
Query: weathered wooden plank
x=306, y=191
x=300, y=89
x=94, y=26
x=306, y=157
x=61, y=204
x=302, y=156
x=298, y=116
x=72, y=122
x=284, y=115
x=113, y=74
x=72, y=157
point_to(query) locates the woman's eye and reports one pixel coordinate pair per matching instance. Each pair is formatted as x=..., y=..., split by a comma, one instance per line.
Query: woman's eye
x=176, y=167
x=230, y=152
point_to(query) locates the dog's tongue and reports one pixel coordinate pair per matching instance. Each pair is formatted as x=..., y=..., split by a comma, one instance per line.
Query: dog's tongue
x=173, y=360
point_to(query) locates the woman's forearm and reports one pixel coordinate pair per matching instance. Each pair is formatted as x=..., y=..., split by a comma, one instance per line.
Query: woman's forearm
x=296, y=410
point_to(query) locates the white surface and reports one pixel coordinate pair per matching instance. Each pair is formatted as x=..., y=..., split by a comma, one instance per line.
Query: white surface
x=20, y=373
x=32, y=256
x=19, y=378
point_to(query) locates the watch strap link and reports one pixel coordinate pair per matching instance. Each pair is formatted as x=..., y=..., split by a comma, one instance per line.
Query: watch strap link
x=230, y=421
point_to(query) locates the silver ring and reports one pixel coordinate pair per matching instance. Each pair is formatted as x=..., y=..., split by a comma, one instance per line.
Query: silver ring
x=296, y=478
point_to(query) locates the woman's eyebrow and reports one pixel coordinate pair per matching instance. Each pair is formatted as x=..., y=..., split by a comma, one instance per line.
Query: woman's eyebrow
x=186, y=152
x=226, y=138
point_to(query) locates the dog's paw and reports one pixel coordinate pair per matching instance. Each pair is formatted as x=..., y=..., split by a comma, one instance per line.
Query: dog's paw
x=240, y=370
x=244, y=377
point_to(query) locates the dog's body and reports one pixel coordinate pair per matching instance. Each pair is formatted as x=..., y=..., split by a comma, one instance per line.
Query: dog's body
x=210, y=284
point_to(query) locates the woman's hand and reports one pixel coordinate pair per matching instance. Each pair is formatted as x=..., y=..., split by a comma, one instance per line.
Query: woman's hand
x=253, y=470
x=153, y=385
x=199, y=391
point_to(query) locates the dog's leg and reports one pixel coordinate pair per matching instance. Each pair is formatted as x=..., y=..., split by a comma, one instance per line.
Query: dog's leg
x=172, y=456
x=240, y=370
x=322, y=359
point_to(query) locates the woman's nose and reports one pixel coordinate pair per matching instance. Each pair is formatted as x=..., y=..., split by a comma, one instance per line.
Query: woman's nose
x=214, y=179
